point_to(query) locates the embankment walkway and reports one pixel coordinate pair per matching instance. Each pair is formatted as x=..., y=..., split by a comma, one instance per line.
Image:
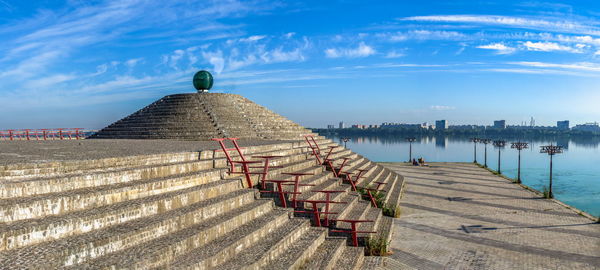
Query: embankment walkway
x=459, y=216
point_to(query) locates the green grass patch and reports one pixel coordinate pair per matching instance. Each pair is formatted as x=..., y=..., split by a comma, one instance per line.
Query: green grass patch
x=546, y=193
x=391, y=211
x=378, y=246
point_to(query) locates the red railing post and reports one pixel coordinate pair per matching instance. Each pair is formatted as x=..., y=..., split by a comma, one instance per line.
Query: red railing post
x=328, y=200
x=280, y=190
x=266, y=166
x=353, y=231
x=297, y=184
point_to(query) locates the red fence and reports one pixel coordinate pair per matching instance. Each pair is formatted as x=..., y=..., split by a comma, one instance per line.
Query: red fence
x=43, y=134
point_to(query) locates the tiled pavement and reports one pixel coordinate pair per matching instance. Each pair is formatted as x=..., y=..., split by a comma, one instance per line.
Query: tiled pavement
x=459, y=216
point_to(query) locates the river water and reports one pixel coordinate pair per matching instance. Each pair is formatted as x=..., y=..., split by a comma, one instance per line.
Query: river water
x=576, y=172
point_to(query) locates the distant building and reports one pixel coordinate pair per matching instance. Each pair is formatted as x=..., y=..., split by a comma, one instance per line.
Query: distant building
x=405, y=126
x=500, y=124
x=342, y=125
x=359, y=126
x=441, y=124
x=330, y=126
x=562, y=124
x=593, y=127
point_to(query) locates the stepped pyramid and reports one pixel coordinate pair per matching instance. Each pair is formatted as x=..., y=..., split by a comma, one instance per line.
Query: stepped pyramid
x=203, y=116
x=185, y=210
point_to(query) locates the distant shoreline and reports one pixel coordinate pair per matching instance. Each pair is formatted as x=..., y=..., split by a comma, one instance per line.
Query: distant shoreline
x=490, y=132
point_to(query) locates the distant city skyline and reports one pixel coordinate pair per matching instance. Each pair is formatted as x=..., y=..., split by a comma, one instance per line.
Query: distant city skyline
x=446, y=123
x=88, y=64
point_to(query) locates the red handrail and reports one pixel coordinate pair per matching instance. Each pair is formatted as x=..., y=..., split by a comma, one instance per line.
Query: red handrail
x=43, y=134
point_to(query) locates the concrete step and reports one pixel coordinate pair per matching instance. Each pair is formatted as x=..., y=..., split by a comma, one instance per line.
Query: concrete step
x=27, y=232
x=351, y=258
x=393, y=197
x=38, y=206
x=326, y=254
x=32, y=170
x=251, y=247
x=35, y=186
x=299, y=252
x=203, y=219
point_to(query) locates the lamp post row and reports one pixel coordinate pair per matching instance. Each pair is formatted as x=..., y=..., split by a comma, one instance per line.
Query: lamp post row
x=551, y=150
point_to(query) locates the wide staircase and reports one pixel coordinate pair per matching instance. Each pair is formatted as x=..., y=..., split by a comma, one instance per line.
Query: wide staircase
x=185, y=211
x=202, y=116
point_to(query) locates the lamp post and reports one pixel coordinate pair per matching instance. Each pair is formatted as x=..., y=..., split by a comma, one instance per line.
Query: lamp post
x=551, y=150
x=519, y=146
x=475, y=141
x=345, y=139
x=410, y=140
x=485, y=143
x=500, y=145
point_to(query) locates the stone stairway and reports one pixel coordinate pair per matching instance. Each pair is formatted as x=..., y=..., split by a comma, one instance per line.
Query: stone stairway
x=202, y=116
x=181, y=211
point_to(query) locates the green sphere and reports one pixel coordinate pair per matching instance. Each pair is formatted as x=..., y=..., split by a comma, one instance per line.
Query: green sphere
x=203, y=80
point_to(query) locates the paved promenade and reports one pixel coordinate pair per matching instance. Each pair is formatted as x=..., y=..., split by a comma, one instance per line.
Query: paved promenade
x=459, y=216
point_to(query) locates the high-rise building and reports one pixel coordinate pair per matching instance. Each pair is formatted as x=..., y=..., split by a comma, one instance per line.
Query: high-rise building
x=341, y=125
x=501, y=124
x=330, y=126
x=588, y=127
x=562, y=124
x=441, y=124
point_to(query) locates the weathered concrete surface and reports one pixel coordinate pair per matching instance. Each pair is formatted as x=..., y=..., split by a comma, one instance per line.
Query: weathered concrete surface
x=459, y=216
x=12, y=152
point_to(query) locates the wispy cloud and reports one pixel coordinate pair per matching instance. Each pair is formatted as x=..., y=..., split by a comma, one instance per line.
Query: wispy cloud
x=441, y=108
x=565, y=26
x=498, y=47
x=423, y=35
x=550, y=46
x=362, y=50
x=394, y=54
x=252, y=38
x=582, y=66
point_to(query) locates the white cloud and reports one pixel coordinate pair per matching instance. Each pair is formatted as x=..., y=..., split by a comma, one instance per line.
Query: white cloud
x=441, y=108
x=44, y=83
x=278, y=55
x=362, y=50
x=549, y=47
x=394, y=54
x=582, y=66
x=289, y=35
x=508, y=21
x=498, y=47
x=133, y=62
x=252, y=38
x=424, y=35
x=216, y=60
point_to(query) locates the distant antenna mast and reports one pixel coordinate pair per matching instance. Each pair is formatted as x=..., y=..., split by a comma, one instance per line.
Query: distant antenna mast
x=203, y=81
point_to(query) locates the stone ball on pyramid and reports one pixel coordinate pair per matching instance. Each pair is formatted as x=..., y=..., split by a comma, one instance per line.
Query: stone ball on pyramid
x=203, y=81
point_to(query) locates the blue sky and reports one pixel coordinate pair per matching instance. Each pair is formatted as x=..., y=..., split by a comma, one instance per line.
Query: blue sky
x=89, y=63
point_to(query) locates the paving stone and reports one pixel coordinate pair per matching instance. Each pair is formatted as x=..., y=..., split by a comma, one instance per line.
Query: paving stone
x=483, y=221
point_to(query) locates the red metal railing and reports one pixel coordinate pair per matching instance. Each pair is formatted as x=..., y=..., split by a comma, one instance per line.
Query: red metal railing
x=43, y=134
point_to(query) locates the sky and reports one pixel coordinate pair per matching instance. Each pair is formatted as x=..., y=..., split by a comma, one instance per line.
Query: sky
x=89, y=63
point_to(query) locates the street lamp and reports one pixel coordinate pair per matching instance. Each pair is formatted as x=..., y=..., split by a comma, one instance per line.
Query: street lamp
x=485, y=143
x=345, y=139
x=519, y=146
x=551, y=150
x=410, y=140
x=500, y=145
x=475, y=141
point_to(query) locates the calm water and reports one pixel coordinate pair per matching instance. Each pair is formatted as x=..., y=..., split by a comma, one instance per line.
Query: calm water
x=576, y=177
